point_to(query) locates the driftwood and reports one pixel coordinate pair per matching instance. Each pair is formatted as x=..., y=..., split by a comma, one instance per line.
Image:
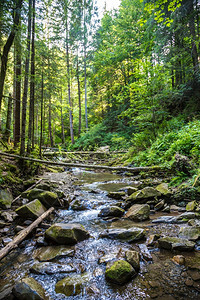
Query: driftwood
x=46, y=152
x=23, y=234
x=31, y=187
x=77, y=165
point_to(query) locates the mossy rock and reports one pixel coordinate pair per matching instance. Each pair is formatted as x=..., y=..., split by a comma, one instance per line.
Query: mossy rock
x=191, y=206
x=116, y=195
x=72, y=285
x=164, y=189
x=66, y=234
x=138, y=212
x=29, y=289
x=119, y=272
x=47, y=198
x=32, y=210
x=112, y=211
x=144, y=194
x=174, y=243
x=191, y=233
x=6, y=199
x=124, y=234
x=51, y=252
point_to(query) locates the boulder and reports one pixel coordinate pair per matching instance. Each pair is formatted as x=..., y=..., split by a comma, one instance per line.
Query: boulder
x=119, y=272
x=174, y=243
x=47, y=198
x=179, y=259
x=29, y=289
x=111, y=211
x=51, y=268
x=152, y=239
x=133, y=258
x=191, y=206
x=138, y=212
x=72, y=285
x=66, y=234
x=124, y=234
x=32, y=210
x=43, y=186
x=144, y=194
x=191, y=233
x=78, y=205
x=51, y=252
x=116, y=195
x=108, y=257
x=164, y=189
x=6, y=199
x=159, y=205
x=129, y=190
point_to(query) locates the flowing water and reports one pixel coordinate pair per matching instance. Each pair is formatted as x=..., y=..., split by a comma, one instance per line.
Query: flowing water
x=160, y=278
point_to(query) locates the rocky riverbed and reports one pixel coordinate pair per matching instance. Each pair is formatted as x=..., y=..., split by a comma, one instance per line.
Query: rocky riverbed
x=111, y=237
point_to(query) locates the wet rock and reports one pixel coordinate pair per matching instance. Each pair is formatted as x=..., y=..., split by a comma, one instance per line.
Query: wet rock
x=119, y=272
x=6, y=240
x=194, y=274
x=112, y=211
x=166, y=209
x=145, y=252
x=19, y=228
x=164, y=189
x=191, y=233
x=138, y=212
x=179, y=259
x=51, y=268
x=52, y=252
x=129, y=190
x=78, y=205
x=184, y=217
x=126, y=235
x=116, y=195
x=32, y=210
x=6, y=199
x=194, y=222
x=72, y=285
x=144, y=194
x=93, y=291
x=133, y=258
x=44, y=186
x=66, y=234
x=191, y=206
x=47, y=198
x=29, y=289
x=8, y=217
x=159, y=205
x=152, y=239
x=108, y=257
x=2, y=224
x=41, y=241
x=174, y=243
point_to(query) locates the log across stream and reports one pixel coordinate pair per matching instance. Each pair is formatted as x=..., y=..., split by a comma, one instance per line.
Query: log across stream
x=159, y=276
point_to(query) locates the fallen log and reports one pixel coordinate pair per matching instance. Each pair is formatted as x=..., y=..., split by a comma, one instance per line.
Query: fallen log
x=31, y=187
x=77, y=165
x=23, y=234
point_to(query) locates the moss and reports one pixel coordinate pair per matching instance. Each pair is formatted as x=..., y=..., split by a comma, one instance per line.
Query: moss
x=120, y=272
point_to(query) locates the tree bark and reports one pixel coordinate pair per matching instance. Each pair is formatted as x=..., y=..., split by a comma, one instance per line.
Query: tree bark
x=23, y=234
x=7, y=46
x=62, y=121
x=41, y=116
x=8, y=121
x=79, y=96
x=50, y=127
x=25, y=93
x=32, y=88
x=193, y=37
x=85, y=73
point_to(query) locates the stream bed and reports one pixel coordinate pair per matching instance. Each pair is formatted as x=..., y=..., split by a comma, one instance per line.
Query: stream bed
x=159, y=276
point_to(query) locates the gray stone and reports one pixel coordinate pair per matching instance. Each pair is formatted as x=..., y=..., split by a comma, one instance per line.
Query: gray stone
x=51, y=252
x=190, y=233
x=159, y=205
x=6, y=199
x=144, y=194
x=66, y=234
x=138, y=212
x=164, y=189
x=29, y=289
x=191, y=206
x=111, y=211
x=78, y=205
x=133, y=258
x=174, y=243
x=127, y=235
x=32, y=210
x=47, y=198
x=51, y=268
x=116, y=195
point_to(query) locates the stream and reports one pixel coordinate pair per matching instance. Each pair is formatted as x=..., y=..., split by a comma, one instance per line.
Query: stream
x=159, y=277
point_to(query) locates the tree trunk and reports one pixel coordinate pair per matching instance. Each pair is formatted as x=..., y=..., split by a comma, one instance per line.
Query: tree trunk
x=32, y=88
x=41, y=116
x=24, y=99
x=8, y=121
x=7, y=46
x=69, y=90
x=79, y=97
x=18, y=88
x=85, y=73
x=62, y=122
x=50, y=127
x=193, y=36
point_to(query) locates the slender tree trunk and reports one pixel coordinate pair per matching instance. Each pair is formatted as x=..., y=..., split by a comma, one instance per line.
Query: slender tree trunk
x=18, y=88
x=41, y=116
x=62, y=121
x=85, y=73
x=7, y=46
x=193, y=36
x=8, y=121
x=32, y=88
x=14, y=88
x=79, y=96
x=24, y=99
x=69, y=90
x=50, y=127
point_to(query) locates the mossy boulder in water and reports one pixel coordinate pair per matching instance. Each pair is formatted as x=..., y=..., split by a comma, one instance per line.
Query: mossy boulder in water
x=66, y=234
x=138, y=212
x=164, y=189
x=191, y=206
x=191, y=233
x=124, y=234
x=133, y=258
x=116, y=195
x=29, y=289
x=72, y=285
x=47, y=198
x=111, y=211
x=119, y=272
x=78, y=205
x=32, y=210
x=6, y=199
x=143, y=195
x=174, y=243
x=50, y=252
